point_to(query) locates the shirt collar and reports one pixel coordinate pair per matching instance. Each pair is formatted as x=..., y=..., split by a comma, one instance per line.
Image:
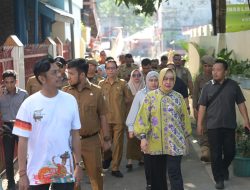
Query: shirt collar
x=87, y=85
x=215, y=82
x=17, y=91
x=107, y=81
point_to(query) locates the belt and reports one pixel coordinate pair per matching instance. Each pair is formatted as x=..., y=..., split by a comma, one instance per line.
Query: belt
x=87, y=136
x=9, y=122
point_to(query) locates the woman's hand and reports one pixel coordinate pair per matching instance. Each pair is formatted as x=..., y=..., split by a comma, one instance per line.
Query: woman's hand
x=144, y=145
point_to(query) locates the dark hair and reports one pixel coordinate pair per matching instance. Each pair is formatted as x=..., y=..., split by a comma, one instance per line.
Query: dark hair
x=145, y=62
x=42, y=67
x=80, y=64
x=223, y=62
x=128, y=55
x=109, y=58
x=60, y=60
x=9, y=73
x=177, y=55
x=111, y=61
x=164, y=58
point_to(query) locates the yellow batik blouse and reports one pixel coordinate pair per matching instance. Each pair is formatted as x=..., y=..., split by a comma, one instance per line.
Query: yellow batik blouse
x=164, y=118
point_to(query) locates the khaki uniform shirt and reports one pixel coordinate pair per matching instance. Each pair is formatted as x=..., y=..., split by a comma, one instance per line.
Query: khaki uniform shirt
x=32, y=85
x=124, y=71
x=199, y=83
x=116, y=95
x=65, y=81
x=91, y=106
x=96, y=79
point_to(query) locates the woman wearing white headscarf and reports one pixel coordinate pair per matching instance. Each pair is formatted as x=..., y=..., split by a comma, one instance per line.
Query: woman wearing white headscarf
x=101, y=71
x=151, y=84
x=135, y=83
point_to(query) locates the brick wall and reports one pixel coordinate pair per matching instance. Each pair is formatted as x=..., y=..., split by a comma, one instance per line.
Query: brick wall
x=7, y=22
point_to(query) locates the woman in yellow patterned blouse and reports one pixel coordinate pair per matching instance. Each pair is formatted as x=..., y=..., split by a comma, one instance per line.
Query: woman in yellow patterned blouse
x=163, y=125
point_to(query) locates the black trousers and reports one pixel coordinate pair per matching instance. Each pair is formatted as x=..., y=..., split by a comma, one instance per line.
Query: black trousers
x=54, y=186
x=147, y=168
x=9, y=142
x=222, y=148
x=159, y=166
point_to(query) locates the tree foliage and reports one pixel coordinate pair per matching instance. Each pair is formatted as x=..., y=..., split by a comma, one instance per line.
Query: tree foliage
x=147, y=7
x=131, y=23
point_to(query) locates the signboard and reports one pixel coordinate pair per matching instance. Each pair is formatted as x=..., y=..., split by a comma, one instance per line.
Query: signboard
x=238, y=18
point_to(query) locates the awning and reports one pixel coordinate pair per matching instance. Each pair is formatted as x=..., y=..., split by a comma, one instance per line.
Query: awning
x=55, y=13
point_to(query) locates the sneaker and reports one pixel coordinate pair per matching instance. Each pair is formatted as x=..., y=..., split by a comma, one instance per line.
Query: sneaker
x=219, y=185
x=116, y=173
x=205, y=159
x=129, y=167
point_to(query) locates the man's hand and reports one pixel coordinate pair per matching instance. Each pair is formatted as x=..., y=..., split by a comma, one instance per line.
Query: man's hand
x=78, y=176
x=199, y=130
x=144, y=145
x=131, y=134
x=2, y=89
x=106, y=145
x=24, y=182
x=247, y=125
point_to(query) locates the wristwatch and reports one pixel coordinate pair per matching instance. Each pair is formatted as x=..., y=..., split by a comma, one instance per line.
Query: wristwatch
x=80, y=164
x=143, y=136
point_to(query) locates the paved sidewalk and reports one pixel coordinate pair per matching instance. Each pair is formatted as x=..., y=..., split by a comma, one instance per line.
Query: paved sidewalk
x=196, y=176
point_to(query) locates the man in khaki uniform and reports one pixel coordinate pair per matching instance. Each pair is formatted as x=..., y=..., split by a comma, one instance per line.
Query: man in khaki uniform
x=125, y=70
x=207, y=62
x=146, y=67
x=163, y=64
x=62, y=64
x=183, y=72
x=92, y=75
x=32, y=85
x=93, y=110
x=117, y=95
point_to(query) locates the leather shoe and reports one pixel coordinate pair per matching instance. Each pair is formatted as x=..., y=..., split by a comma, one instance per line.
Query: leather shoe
x=141, y=163
x=219, y=185
x=129, y=167
x=116, y=173
x=148, y=187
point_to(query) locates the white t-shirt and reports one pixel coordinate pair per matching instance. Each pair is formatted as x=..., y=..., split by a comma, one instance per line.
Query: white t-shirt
x=47, y=123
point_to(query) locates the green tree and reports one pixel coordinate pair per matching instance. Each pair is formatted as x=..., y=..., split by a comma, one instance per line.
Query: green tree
x=109, y=12
x=148, y=7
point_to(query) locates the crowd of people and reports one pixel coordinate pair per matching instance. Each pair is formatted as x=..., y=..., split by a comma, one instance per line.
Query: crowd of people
x=74, y=115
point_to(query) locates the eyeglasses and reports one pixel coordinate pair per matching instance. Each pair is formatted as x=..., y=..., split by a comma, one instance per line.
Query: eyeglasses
x=171, y=79
x=136, y=75
x=110, y=68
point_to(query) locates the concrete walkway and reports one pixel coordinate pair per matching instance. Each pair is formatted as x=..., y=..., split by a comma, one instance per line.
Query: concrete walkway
x=196, y=176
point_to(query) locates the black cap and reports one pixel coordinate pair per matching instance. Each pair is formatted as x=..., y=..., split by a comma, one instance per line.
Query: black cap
x=61, y=60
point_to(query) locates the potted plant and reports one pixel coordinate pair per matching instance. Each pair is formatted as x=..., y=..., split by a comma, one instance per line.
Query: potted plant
x=241, y=163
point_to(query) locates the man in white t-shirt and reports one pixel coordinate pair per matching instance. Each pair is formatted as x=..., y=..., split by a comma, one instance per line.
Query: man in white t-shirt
x=47, y=124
